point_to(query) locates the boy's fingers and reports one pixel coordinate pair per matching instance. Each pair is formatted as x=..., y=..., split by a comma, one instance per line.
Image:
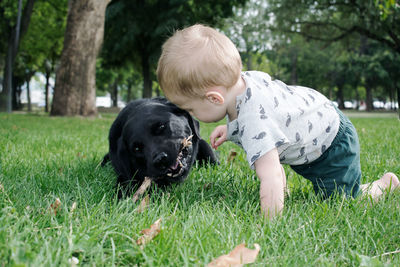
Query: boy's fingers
x=215, y=143
x=219, y=142
x=218, y=136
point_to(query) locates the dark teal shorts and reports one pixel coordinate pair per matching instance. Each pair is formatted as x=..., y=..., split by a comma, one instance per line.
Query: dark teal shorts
x=338, y=168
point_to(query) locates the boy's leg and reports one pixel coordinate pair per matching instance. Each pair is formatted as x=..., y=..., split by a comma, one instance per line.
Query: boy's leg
x=388, y=181
x=338, y=168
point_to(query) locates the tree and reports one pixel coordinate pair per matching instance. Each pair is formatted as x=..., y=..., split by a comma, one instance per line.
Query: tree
x=331, y=21
x=14, y=27
x=75, y=92
x=42, y=54
x=249, y=30
x=136, y=30
x=121, y=83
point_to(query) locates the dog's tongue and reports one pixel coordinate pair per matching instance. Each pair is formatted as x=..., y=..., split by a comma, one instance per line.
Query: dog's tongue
x=174, y=167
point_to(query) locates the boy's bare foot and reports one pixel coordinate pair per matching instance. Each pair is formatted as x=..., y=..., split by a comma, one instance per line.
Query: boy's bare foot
x=389, y=181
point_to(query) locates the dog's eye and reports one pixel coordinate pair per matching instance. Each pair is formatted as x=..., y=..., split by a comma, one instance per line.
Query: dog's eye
x=162, y=126
x=158, y=128
x=137, y=148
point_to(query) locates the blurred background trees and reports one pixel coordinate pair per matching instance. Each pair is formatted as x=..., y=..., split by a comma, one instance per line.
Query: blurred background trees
x=347, y=49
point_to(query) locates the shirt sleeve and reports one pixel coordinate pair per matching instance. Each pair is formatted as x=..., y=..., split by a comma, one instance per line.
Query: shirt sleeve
x=258, y=131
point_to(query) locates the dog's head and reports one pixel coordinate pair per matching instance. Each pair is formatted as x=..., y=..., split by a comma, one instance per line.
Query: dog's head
x=161, y=142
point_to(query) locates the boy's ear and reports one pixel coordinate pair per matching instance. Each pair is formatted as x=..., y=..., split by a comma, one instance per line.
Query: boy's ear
x=215, y=97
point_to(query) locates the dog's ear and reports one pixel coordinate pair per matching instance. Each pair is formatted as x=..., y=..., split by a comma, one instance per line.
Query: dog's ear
x=205, y=154
x=194, y=124
x=120, y=159
x=118, y=152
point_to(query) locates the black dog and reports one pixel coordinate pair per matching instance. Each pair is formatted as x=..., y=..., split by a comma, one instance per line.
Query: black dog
x=154, y=138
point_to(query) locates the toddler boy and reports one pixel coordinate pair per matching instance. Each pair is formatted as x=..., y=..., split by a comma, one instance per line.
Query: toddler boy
x=200, y=71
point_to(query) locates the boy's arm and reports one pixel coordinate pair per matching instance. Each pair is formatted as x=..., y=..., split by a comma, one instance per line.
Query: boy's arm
x=273, y=181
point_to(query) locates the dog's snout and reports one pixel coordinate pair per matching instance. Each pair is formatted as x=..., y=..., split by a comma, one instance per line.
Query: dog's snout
x=161, y=160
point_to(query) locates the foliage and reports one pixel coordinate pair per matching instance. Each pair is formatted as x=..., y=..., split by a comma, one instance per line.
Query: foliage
x=313, y=43
x=44, y=158
x=127, y=81
x=135, y=30
x=44, y=38
x=335, y=20
x=248, y=29
x=42, y=45
x=8, y=13
x=296, y=40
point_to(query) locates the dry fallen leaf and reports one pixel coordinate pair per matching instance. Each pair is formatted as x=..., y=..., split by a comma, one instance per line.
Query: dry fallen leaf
x=80, y=155
x=232, y=155
x=54, y=207
x=143, y=204
x=73, y=207
x=143, y=187
x=73, y=261
x=150, y=233
x=1, y=188
x=239, y=256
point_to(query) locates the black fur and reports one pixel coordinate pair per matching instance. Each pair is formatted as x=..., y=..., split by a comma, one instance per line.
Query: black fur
x=146, y=140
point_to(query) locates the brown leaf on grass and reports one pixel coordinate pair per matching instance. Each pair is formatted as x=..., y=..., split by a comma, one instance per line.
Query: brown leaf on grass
x=1, y=188
x=54, y=207
x=232, y=155
x=239, y=256
x=81, y=155
x=144, y=203
x=149, y=233
x=143, y=187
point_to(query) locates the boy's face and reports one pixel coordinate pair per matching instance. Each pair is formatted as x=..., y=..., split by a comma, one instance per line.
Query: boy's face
x=201, y=108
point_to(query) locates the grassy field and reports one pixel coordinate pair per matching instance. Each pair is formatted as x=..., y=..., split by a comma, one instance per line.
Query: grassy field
x=215, y=209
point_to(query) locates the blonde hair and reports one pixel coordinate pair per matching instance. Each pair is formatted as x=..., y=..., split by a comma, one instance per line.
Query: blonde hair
x=196, y=58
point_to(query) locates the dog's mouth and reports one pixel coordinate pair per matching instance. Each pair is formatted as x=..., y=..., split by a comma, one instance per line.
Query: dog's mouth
x=181, y=162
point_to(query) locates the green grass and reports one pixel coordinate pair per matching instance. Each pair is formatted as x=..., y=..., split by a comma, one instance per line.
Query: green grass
x=215, y=209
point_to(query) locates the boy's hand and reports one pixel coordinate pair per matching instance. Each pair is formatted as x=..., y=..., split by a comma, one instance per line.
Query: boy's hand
x=218, y=136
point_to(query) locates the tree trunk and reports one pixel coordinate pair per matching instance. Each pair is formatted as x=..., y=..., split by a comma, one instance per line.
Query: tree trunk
x=340, y=97
x=5, y=95
x=129, y=93
x=398, y=100
x=391, y=98
x=357, y=99
x=249, y=60
x=28, y=95
x=75, y=90
x=18, y=91
x=147, y=88
x=46, y=91
x=114, y=93
x=369, y=98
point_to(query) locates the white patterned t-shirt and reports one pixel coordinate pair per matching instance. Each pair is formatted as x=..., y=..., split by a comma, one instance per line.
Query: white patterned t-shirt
x=299, y=121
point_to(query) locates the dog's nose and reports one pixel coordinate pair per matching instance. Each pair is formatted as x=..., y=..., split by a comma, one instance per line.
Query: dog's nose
x=161, y=160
